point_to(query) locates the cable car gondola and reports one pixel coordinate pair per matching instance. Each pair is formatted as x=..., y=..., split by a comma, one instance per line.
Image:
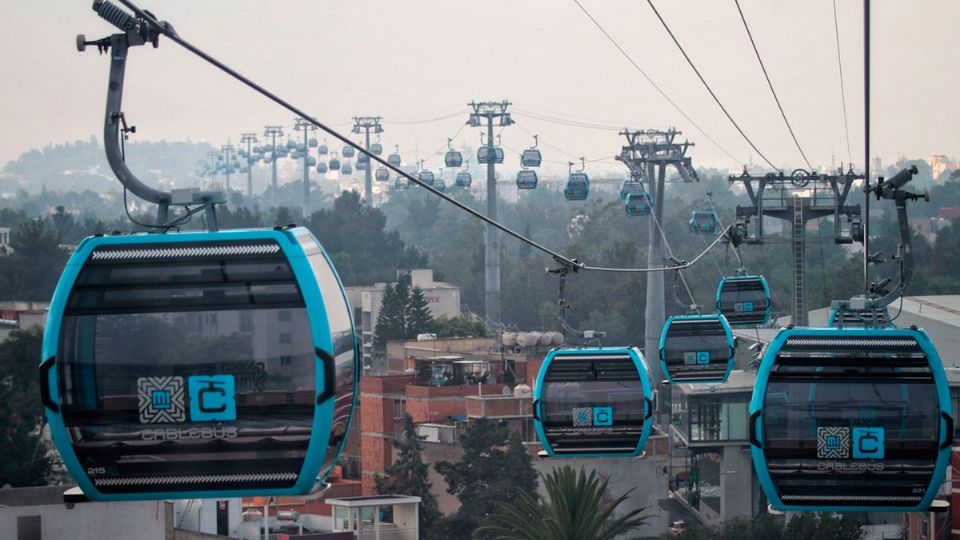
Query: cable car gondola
x=452, y=158
x=464, y=179
x=704, y=221
x=382, y=174
x=363, y=158
x=322, y=149
x=199, y=365
x=638, y=204
x=321, y=167
x=311, y=161
x=362, y=165
x=531, y=157
x=376, y=149
x=577, y=187
x=483, y=154
x=744, y=300
x=855, y=420
x=401, y=182
x=697, y=349
x=334, y=164
x=593, y=402
x=312, y=143
x=348, y=151
x=629, y=186
x=439, y=185
x=527, y=179
x=346, y=169
x=426, y=177
x=394, y=159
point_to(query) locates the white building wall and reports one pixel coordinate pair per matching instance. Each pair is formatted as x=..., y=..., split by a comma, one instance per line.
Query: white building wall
x=144, y=520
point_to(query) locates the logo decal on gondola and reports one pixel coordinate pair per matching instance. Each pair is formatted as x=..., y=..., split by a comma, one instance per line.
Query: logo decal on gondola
x=593, y=416
x=160, y=400
x=212, y=398
x=868, y=442
x=833, y=442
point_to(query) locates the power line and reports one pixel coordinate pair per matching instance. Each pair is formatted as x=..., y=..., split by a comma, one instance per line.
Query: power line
x=655, y=86
x=427, y=120
x=770, y=84
x=707, y=86
x=843, y=95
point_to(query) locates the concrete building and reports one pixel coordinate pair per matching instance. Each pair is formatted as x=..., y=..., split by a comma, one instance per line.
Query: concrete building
x=37, y=513
x=443, y=299
x=21, y=315
x=940, y=164
x=5, y=248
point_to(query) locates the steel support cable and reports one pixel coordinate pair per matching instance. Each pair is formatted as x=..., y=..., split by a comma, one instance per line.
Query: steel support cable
x=666, y=243
x=461, y=112
x=770, y=84
x=607, y=159
x=569, y=123
x=167, y=30
x=843, y=95
x=655, y=86
x=548, y=117
x=707, y=86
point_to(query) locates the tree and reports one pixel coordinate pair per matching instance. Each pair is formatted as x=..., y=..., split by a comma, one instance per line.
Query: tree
x=458, y=327
x=495, y=467
x=576, y=508
x=23, y=454
x=419, y=318
x=391, y=321
x=407, y=475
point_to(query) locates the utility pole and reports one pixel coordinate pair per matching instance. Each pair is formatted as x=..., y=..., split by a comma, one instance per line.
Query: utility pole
x=366, y=123
x=306, y=127
x=249, y=138
x=648, y=154
x=489, y=111
x=272, y=132
x=801, y=197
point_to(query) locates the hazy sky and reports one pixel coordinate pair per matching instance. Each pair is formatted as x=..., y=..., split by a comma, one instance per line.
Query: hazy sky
x=421, y=59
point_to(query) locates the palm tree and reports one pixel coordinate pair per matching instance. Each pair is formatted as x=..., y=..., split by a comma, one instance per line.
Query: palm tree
x=574, y=509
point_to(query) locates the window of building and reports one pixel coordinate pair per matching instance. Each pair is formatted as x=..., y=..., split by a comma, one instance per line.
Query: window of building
x=284, y=338
x=286, y=360
x=246, y=321
x=283, y=315
x=399, y=408
x=28, y=528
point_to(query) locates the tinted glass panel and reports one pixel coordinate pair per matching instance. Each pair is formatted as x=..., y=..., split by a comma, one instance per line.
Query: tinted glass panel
x=344, y=353
x=696, y=349
x=171, y=394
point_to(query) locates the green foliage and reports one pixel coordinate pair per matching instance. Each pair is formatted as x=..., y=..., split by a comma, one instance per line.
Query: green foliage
x=407, y=475
x=23, y=454
x=362, y=251
x=419, y=318
x=447, y=327
x=32, y=271
x=391, y=320
x=495, y=467
x=577, y=508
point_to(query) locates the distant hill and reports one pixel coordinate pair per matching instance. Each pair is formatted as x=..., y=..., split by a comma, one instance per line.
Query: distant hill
x=83, y=165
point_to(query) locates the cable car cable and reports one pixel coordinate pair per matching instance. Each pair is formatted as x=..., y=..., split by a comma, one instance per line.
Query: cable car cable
x=770, y=84
x=655, y=86
x=710, y=90
x=843, y=97
x=167, y=30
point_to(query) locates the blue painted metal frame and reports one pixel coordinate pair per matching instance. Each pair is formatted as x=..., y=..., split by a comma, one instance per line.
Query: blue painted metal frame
x=766, y=292
x=756, y=416
x=730, y=343
x=638, y=362
x=310, y=475
x=832, y=320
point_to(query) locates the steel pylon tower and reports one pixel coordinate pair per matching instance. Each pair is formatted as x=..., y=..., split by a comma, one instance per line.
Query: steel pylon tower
x=272, y=132
x=648, y=154
x=249, y=139
x=489, y=111
x=227, y=152
x=798, y=198
x=306, y=127
x=367, y=123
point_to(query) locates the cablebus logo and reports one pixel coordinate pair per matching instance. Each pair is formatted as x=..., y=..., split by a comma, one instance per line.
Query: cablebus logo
x=164, y=400
x=593, y=416
x=838, y=443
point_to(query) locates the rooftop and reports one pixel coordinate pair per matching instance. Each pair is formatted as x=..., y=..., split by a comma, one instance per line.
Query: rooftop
x=375, y=500
x=738, y=382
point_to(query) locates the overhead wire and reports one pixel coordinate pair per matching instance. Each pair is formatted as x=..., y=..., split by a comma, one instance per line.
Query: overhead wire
x=460, y=112
x=843, y=95
x=770, y=84
x=707, y=86
x=655, y=85
x=574, y=265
